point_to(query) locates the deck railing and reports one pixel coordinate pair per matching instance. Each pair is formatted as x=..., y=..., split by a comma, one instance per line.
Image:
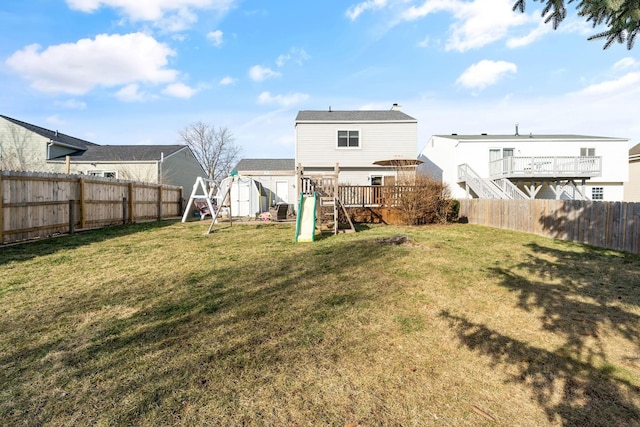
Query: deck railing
x=372, y=195
x=546, y=166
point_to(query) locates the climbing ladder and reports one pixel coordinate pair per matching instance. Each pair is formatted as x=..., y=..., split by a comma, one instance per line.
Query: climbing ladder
x=332, y=215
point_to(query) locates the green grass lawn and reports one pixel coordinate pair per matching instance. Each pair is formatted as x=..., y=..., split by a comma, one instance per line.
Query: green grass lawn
x=160, y=324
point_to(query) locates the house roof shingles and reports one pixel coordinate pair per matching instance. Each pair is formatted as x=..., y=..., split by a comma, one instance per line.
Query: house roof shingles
x=128, y=153
x=54, y=136
x=266, y=165
x=353, y=116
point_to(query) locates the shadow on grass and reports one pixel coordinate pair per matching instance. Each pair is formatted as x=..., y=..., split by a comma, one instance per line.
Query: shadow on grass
x=579, y=296
x=34, y=248
x=214, y=336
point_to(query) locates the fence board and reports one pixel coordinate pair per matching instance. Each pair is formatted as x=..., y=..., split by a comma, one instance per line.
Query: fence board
x=610, y=225
x=36, y=205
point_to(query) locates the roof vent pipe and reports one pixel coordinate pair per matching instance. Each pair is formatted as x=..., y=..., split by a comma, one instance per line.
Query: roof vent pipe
x=517, y=130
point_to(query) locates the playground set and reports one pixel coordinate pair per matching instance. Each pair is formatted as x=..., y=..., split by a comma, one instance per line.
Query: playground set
x=319, y=207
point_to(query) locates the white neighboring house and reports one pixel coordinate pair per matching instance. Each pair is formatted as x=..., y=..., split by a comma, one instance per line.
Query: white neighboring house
x=277, y=176
x=355, y=140
x=529, y=166
x=632, y=188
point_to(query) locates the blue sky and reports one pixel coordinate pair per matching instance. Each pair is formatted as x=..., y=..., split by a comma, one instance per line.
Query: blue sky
x=139, y=71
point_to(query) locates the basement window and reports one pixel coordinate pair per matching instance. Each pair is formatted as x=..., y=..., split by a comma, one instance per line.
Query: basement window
x=348, y=139
x=597, y=193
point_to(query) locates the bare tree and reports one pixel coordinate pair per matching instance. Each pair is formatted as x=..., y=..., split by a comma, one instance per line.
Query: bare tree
x=214, y=148
x=15, y=151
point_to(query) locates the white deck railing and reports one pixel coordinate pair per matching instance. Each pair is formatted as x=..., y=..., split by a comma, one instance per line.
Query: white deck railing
x=546, y=166
x=484, y=188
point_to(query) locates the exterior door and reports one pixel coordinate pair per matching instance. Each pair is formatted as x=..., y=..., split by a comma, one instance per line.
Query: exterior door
x=282, y=191
x=495, y=167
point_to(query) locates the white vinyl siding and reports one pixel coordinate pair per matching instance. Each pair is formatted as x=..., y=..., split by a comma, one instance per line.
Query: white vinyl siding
x=442, y=155
x=316, y=144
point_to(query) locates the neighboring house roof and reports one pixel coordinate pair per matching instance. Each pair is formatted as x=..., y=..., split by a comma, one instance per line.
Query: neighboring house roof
x=634, y=153
x=125, y=153
x=487, y=137
x=54, y=136
x=266, y=165
x=353, y=116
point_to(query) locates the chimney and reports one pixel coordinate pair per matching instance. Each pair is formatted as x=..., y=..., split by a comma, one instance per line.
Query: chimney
x=396, y=107
x=517, y=134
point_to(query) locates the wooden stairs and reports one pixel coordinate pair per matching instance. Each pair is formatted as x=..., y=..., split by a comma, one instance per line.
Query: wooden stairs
x=332, y=216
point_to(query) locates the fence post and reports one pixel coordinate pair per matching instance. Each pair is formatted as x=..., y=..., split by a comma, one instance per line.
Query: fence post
x=159, y=202
x=124, y=210
x=72, y=216
x=131, y=213
x=82, y=205
x=1, y=210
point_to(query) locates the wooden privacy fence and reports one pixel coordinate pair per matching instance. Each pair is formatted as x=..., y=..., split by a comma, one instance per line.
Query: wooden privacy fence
x=609, y=225
x=35, y=205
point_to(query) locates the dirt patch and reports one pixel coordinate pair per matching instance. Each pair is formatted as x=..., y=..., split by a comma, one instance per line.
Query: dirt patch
x=398, y=239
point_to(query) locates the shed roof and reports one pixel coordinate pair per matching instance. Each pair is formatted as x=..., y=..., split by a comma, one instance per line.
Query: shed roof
x=353, y=116
x=266, y=165
x=54, y=136
x=635, y=150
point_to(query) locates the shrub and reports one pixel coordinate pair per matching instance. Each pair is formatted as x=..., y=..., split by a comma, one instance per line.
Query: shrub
x=425, y=201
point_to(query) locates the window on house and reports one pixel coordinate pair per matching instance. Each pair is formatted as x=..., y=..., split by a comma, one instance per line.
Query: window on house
x=597, y=193
x=376, y=180
x=104, y=174
x=348, y=138
x=587, y=152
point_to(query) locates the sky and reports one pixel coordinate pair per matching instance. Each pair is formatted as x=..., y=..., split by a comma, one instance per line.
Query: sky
x=140, y=71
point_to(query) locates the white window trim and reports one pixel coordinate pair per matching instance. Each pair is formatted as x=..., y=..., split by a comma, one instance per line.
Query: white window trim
x=359, y=147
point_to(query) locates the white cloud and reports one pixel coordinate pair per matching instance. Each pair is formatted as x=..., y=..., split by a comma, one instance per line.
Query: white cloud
x=215, y=37
x=627, y=83
x=226, y=81
x=625, y=64
x=535, y=34
x=356, y=10
x=282, y=100
x=171, y=15
x=258, y=73
x=71, y=104
x=295, y=55
x=424, y=42
x=179, y=90
x=476, y=23
x=55, y=120
x=131, y=93
x=107, y=60
x=485, y=73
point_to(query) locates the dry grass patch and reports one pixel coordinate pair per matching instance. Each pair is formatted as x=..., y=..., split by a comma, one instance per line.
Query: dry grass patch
x=159, y=324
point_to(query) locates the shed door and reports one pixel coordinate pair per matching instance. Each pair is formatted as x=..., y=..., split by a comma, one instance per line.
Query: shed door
x=282, y=190
x=244, y=198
